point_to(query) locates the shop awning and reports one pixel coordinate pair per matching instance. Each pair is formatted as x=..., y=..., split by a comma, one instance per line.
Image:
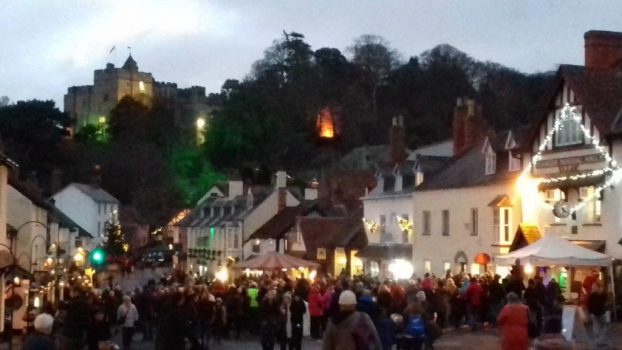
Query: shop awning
x=525, y=235
x=386, y=251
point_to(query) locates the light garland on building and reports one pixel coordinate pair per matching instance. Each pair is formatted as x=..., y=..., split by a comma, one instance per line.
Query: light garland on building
x=405, y=225
x=370, y=225
x=569, y=112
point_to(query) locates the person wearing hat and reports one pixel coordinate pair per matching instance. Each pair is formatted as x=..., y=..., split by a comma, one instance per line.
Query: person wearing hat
x=41, y=338
x=352, y=329
x=127, y=315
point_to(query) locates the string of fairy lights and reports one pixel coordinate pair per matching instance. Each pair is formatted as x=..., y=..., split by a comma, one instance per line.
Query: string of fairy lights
x=570, y=112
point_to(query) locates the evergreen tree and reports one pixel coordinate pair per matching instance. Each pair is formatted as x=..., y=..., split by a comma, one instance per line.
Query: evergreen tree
x=114, y=240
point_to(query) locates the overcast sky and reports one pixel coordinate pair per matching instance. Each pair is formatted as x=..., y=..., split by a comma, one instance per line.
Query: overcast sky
x=49, y=45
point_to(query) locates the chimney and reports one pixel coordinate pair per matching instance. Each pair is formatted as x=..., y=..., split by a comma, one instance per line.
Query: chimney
x=396, y=140
x=97, y=176
x=603, y=50
x=472, y=127
x=311, y=192
x=460, y=113
x=281, y=179
x=282, y=198
x=236, y=187
x=56, y=181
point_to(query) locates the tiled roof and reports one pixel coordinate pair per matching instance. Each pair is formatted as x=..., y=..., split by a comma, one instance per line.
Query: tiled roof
x=95, y=193
x=386, y=251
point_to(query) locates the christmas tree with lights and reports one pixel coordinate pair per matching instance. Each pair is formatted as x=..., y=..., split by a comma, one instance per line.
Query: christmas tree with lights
x=114, y=242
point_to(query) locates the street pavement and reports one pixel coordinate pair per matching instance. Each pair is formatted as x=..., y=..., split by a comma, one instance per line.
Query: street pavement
x=451, y=340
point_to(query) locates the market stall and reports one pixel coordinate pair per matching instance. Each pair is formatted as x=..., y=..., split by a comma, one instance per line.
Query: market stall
x=276, y=261
x=557, y=251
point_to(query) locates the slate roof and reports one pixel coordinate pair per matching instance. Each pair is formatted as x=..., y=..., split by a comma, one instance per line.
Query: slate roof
x=429, y=165
x=333, y=232
x=468, y=170
x=53, y=212
x=95, y=193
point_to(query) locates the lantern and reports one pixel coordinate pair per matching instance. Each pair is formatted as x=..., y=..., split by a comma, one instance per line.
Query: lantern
x=482, y=259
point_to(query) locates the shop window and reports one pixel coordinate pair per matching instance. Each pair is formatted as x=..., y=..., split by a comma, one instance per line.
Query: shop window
x=427, y=265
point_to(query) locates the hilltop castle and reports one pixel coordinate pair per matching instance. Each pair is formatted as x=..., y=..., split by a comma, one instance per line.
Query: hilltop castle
x=89, y=104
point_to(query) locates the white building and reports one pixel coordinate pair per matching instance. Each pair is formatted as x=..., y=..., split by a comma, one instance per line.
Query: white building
x=388, y=207
x=576, y=149
x=470, y=207
x=89, y=206
x=217, y=229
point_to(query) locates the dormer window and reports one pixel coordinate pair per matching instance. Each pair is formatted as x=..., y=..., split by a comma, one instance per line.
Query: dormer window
x=491, y=162
x=514, y=162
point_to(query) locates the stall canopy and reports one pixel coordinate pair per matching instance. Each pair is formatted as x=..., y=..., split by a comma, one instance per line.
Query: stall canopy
x=551, y=250
x=273, y=261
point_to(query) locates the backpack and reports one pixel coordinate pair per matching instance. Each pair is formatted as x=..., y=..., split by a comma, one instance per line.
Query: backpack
x=416, y=327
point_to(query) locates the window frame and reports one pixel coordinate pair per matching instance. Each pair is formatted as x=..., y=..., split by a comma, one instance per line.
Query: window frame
x=426, y=220
x=445, y=222
x=474, y=222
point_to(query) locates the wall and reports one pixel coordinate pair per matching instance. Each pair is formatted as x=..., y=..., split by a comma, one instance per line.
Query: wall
x=439, y=249
x=388, y=206
x=30, y=244
x=264, y=212
x=80, y=208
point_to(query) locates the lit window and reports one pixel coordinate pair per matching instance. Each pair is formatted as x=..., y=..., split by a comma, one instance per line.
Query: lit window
x=502, y=223
x=474, y=269
x=427, y=266
x=593, y=206
x=446, y=266
x=491, y=163
x=569, y=132
x=141, y=86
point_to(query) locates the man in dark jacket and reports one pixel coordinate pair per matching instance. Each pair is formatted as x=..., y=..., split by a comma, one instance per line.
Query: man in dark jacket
x=596, y=305
x=40, y=339
x=76, y=318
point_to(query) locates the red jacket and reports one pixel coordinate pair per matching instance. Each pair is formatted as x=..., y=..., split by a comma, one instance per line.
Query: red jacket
x=316, y=303
x=474, y=294
x=513, y=320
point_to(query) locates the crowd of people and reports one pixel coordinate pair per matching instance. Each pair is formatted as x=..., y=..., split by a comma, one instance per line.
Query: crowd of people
x=343, y=313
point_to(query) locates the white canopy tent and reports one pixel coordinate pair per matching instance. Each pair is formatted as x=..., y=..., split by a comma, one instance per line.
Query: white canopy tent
x=549, y=250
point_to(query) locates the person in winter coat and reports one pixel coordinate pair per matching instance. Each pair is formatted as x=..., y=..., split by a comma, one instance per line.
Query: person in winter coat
x=351, y=330
x=596, y=305
x=474, y=296
x=367, y=305
x=98, y=333
x=316, y=311
x=386, y=330
x=293, y=311
x=219, y=323
x=41, y=338
x=271, y=320
x=127, y=314
x=513, y=320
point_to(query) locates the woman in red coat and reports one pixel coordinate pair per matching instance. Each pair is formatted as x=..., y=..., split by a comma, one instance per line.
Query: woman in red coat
x=513, y=320
x=316, y=310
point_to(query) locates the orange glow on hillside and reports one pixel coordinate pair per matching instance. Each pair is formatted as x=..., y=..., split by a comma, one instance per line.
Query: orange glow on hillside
x=325, y=124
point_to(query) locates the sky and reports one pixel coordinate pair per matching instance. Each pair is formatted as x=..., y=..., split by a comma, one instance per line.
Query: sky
x=49, y=45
